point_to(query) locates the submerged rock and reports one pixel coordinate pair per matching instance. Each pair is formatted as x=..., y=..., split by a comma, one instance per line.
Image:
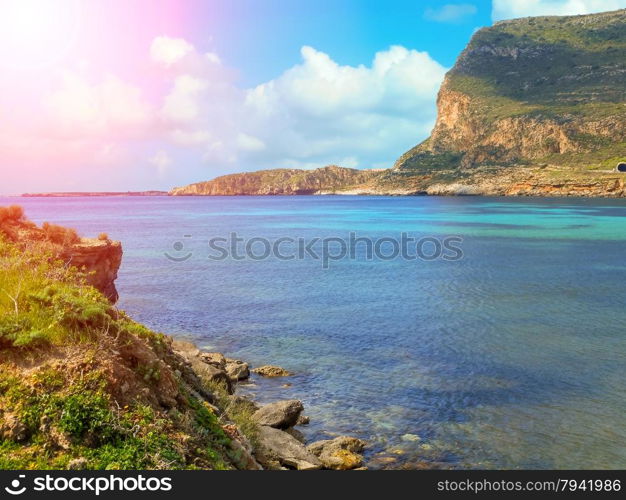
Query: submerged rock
x=271, y=371
x=281, y=415
x=341, y=453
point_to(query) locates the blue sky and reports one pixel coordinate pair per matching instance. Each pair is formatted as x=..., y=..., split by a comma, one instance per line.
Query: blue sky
x=151, y=94
x=263, y=38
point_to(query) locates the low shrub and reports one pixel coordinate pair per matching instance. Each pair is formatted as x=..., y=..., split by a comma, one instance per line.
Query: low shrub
x=13, y=213
x=59, y=234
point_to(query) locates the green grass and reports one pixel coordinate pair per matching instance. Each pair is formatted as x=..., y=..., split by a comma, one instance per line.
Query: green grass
x=44, y=302
x=60, y=344
x=562, y=65
x=237, y=411
x=598, y=32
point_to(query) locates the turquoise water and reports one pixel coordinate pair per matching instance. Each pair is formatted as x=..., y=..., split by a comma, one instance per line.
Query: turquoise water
x=513, y=356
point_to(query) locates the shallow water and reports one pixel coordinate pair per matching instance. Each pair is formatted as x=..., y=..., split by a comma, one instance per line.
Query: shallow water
x=513, y=356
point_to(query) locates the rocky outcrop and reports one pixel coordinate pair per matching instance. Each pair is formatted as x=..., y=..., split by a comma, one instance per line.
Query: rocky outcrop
x=279, y=445
x=237, y=370
x=280, y=415
x=279, y=448
x=543, y=97
x=278, y=182
x=144, y=401
x=271, y=371
x=204, y=365
x=100, y=259
x=341, y=453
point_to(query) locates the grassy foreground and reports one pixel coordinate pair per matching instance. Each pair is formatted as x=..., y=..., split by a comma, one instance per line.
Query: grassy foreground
x=84, y=386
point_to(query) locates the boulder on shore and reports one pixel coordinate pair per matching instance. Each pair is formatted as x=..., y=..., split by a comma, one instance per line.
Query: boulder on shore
x=216, y=359
x=207, y=371
x=278, y=448
x=237, y=370
x=271, y=371
x=341, y=453
x=280, y=415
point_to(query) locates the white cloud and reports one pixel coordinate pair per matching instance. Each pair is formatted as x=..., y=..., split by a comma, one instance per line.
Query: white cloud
x=247, y=142
x=111, y=107
x=509, y=9
x=167, y=51
x=162, y=161
x=320, y=112
x=451, y=13
x=315, y=113
x=182, y=103
x=213, y=57
x=190, y=137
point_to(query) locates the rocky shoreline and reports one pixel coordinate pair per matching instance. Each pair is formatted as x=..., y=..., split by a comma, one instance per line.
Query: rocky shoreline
x=278, y=444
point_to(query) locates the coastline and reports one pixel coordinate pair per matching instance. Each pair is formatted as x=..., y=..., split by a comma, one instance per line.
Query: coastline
x=84, y=386
x=279, y=443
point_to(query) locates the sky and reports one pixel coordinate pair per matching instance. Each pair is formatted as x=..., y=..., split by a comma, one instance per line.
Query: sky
x=119, y=95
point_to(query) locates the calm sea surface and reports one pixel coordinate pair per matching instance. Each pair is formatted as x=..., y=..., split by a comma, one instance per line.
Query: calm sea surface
x=513, y=356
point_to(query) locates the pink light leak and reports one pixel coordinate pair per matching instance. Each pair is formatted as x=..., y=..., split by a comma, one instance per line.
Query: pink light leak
x=77, y=84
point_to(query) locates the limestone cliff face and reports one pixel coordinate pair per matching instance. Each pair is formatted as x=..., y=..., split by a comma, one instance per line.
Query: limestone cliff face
x=535, y=89
x=100, y=260
x=278, y=182
x=462, y=127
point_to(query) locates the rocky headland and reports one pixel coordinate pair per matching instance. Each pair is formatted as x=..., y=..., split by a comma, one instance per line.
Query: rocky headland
x=532, y=107
x=328, y=179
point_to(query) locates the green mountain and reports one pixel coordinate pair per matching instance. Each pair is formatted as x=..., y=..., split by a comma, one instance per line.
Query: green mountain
x=536, y=100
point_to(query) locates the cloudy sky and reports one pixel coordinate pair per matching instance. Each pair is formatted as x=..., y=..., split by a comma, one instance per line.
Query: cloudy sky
x=151, y=94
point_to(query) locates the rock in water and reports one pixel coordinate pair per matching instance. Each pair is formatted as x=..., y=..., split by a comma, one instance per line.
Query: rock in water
x=278, y=447
x=342, y=453
x=281, y=415
x=271, y=371
x=237, y=370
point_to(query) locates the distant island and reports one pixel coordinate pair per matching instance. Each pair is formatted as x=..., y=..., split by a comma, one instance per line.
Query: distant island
x=533, y=106
x=94, y=193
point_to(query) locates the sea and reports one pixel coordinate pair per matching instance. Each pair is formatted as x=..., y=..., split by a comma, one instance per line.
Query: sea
x=455, y=332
